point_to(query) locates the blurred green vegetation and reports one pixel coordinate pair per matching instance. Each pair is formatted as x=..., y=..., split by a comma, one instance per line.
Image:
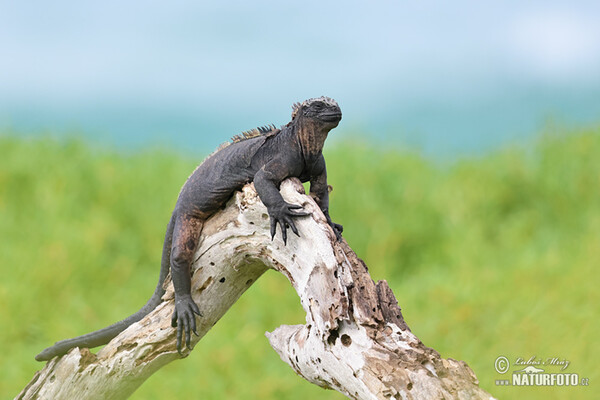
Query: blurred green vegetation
x=488, y=256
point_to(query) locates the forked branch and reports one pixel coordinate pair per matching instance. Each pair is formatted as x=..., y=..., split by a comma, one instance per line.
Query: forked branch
x=355, y=339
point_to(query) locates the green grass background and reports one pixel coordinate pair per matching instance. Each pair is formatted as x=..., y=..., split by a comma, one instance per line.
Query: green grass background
x=488, y=256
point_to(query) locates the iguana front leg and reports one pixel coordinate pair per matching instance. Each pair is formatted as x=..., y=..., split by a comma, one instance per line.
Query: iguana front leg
x=266, y=182
x=319, y=190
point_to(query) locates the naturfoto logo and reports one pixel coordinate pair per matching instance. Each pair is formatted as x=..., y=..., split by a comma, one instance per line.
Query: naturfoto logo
x=531, y=373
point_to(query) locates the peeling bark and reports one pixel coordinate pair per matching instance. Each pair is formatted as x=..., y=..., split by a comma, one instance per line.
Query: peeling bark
x=355, y=339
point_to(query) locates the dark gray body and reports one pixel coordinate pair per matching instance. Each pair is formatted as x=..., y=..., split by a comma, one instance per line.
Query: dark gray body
x=266, y=160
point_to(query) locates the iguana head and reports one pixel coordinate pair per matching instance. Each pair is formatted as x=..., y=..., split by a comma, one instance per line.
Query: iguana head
x=314, y=119
x=322, y=110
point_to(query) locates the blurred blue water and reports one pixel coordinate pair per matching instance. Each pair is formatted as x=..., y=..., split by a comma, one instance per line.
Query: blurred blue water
x=438, y=129
x=446, y=78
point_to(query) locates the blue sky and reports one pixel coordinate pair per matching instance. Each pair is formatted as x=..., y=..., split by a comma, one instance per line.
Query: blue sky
x=417, y=68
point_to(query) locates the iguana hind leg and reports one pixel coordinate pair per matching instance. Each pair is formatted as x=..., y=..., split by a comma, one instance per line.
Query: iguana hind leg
x=186, y=235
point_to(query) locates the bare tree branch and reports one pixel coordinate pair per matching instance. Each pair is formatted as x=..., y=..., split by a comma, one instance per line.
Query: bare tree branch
x=355, y=339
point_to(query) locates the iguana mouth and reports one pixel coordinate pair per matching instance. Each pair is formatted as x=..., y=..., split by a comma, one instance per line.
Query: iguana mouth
x=331, y=117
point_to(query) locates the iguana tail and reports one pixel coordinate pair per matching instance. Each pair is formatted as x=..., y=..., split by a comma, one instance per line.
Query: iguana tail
x=105, y=335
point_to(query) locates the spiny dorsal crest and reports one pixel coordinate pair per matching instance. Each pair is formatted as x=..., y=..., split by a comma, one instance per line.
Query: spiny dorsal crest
x=297, y=106
x=266, y=130
x=252, y=133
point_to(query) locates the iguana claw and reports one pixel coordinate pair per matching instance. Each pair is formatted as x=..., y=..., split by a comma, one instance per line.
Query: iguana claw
x=337, y=229
x=185, y=320
x=283, y=217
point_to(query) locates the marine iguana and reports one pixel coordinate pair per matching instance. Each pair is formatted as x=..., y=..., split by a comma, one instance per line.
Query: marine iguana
x=265, y=156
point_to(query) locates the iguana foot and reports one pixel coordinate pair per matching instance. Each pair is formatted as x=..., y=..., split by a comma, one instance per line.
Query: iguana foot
x=283, y=216
x=185, y=320
x=337, y=229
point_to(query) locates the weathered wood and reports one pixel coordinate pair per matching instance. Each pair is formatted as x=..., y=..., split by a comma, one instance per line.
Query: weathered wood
x=354, y=341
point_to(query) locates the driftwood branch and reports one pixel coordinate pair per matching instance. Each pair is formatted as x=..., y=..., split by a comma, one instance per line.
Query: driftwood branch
x=354, y=341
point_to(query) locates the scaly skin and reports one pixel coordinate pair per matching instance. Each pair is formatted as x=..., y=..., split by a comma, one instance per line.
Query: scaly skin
x=266, y=159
